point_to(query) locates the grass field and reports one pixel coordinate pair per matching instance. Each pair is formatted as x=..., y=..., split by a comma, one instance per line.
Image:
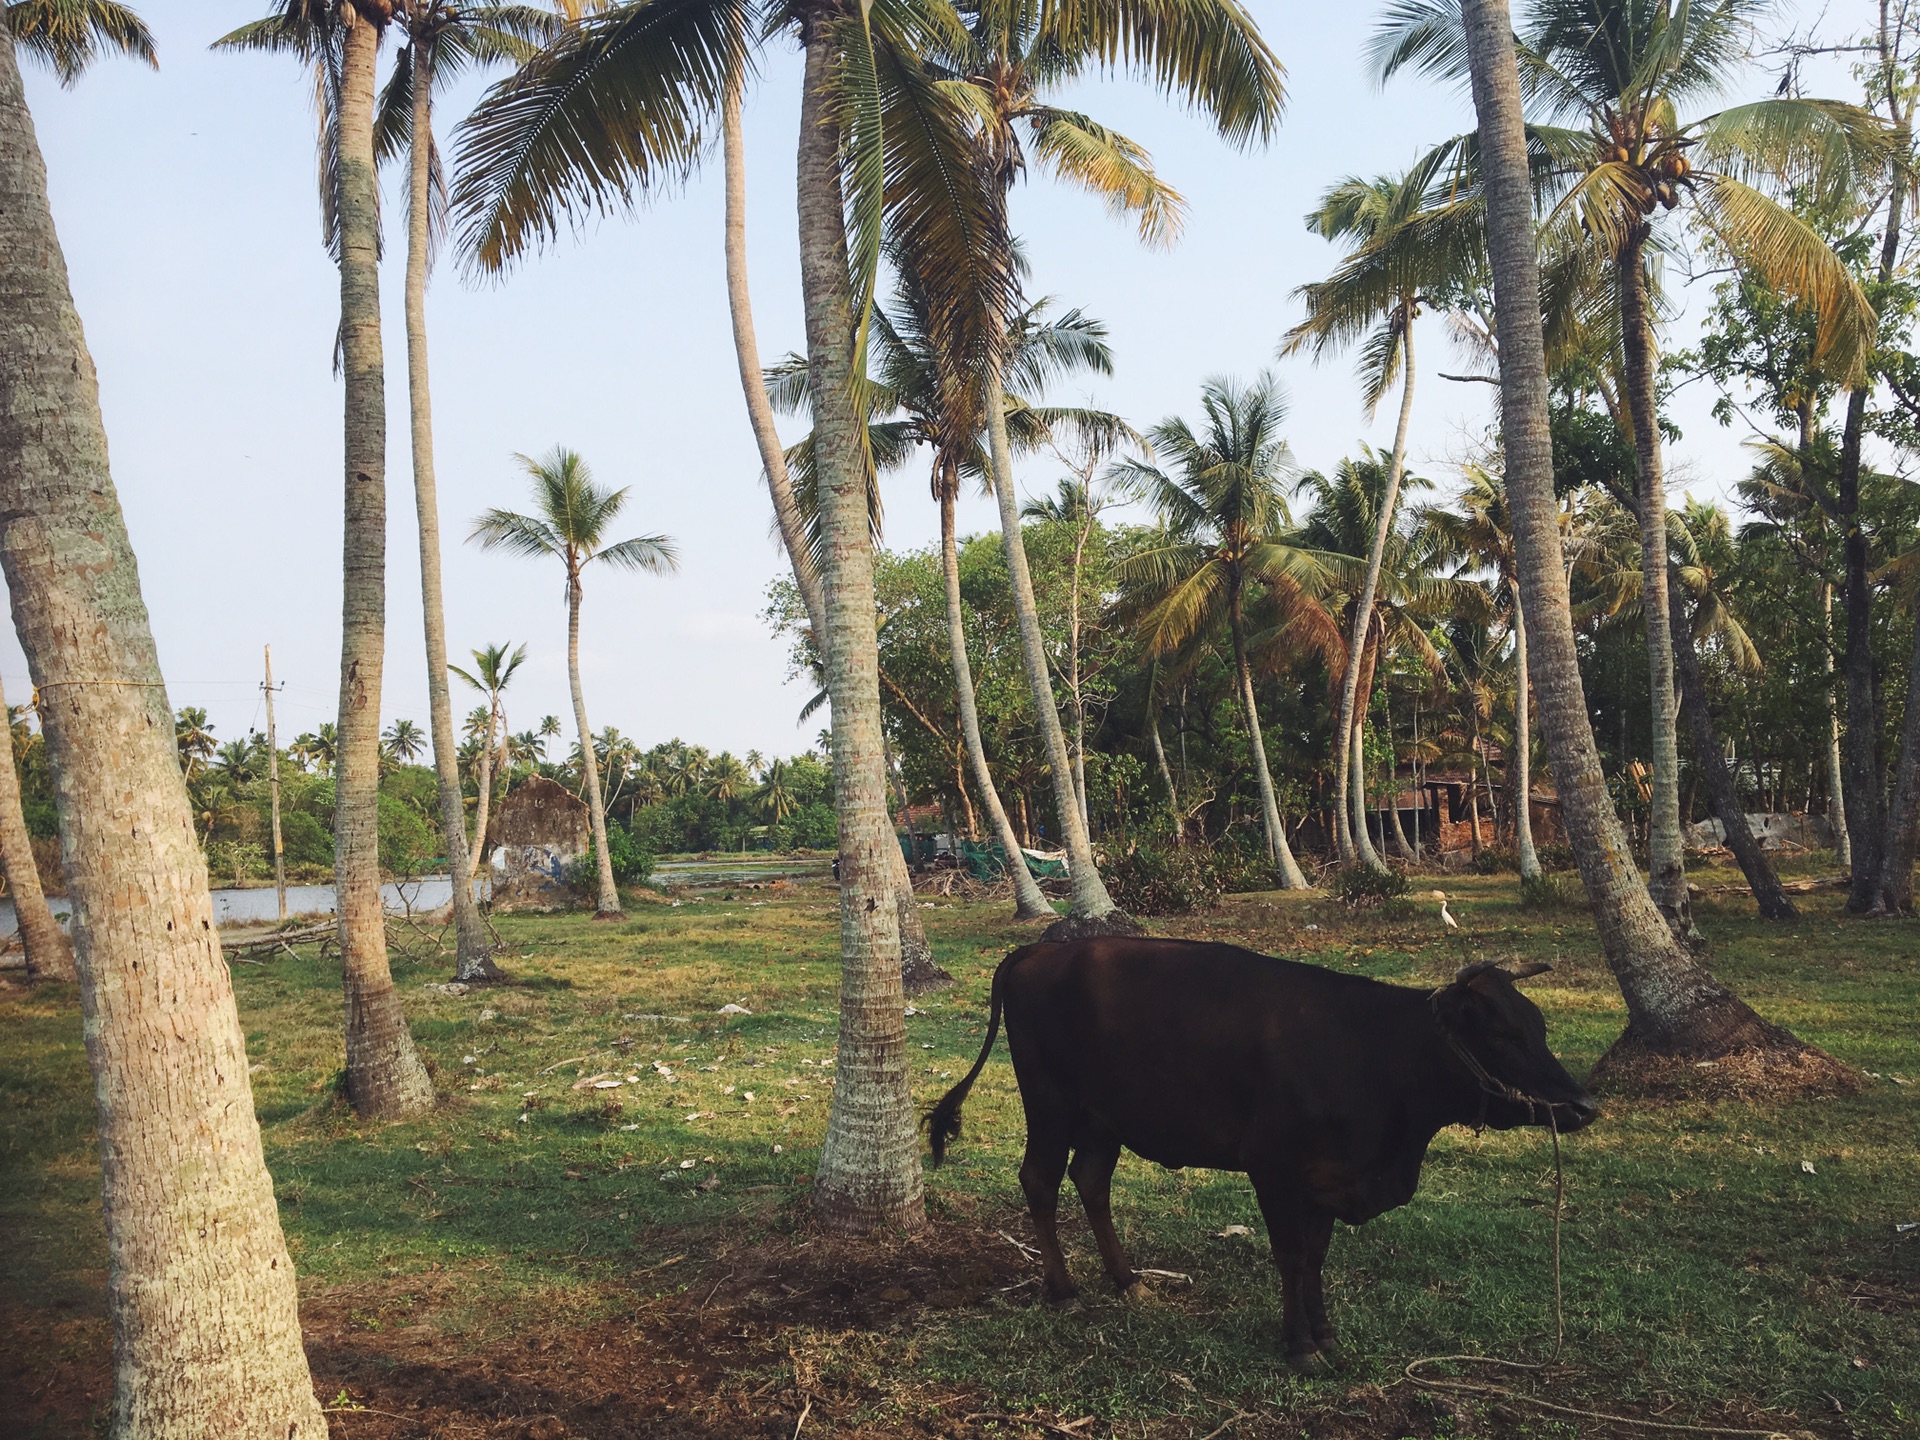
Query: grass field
x=539, y=1260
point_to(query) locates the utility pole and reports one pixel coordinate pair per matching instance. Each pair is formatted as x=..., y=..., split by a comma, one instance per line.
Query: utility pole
x=273, y=787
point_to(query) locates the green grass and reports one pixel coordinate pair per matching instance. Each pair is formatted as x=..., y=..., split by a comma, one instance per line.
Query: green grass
x=1708, y=1272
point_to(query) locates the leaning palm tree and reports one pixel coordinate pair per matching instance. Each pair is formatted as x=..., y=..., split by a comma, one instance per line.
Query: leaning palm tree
x=1406, y=239
x=339, y=40
x=1225, y=515
x=1016, y=56
x=570, y=523
x=1677, y=1012
x=919, y=401
x=492, y=672
x=189, y=1205
x=1625, y=71
x=193, y=736
x=49, y=952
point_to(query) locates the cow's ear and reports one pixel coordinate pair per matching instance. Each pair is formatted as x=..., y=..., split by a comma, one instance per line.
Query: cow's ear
x=1529, y=970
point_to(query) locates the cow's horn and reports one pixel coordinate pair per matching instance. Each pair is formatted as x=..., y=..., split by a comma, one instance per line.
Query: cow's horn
x=1523, y=972
x=1469, y=972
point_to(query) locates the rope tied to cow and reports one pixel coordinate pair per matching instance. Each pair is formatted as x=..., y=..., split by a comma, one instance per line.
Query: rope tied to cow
x=1493, y=1088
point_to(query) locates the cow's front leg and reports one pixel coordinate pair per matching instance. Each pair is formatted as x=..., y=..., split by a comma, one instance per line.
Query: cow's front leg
x=1040, y=1176
x=1319, y=1236
x=1289, y=1233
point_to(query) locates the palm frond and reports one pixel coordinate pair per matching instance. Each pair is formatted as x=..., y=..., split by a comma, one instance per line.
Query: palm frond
x=614, y=109
x=654, y=554
x=67, y=36
x=1116, y=170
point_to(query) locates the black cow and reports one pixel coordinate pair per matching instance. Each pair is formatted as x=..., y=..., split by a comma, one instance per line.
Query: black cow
x=1326, y=1089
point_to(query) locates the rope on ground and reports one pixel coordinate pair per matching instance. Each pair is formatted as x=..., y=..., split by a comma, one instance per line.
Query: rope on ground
x=1505, y=1393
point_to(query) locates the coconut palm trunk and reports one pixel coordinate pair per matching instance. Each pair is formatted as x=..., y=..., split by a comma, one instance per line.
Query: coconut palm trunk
x=385, y=1078
x=1666, y=857
x=483, y=786
x=1523, y=743
x=1895, y=894
x=606, y=896
x=1029, y=902
x=200, y=1287
x=1352, y=713
x=1836, y=791
x=868, y=1177
x=1709, y=760
x=1677, y=1012
x=473, y=949
x=1278, y=851
x=49, y=952
x=920, y=971
x=1090, y=898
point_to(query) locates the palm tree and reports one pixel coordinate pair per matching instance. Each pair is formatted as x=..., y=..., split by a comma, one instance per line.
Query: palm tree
x=622, y=105
x=206, y=1326
x=193, y=737
x=443, y=40
x=235, y=761
x=1626, y=70
x=919, y=400
x=49, y=952
x=1479, y=535
x=570, y=523
x=1016, y=54
x=492, y=672
x=340, y=42
x=1225, y=514
x=1406, y=239
x=728, y=779
x=1676, y=1010
x=774, y=796
x=404, y=741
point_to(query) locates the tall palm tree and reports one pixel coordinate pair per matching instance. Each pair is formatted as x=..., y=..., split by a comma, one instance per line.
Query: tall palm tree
x=918, y=400
x=340, y=41
x=570, y=521
x=1677, y=1012
x=1225, y=515
x=443, y=40
x=1625, y=70
x=492, y=672
x=48, y=950
x=618, y=107
x=1406, y=238
x=205, y=1316
x=774, y=795
x=1018, y=54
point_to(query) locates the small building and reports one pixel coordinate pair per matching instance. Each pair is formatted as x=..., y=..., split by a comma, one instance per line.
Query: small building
x=538, y=832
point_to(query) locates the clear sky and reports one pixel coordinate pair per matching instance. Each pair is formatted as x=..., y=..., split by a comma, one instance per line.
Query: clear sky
x=186, y=207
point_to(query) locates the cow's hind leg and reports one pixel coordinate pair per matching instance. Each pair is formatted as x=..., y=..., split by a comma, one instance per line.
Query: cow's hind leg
x=1040, y=1175
x=1092, y=1172
x=1289, y=1231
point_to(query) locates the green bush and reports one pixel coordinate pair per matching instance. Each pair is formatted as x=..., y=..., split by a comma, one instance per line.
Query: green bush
x=1496, y=861
x=1551, y=892
x=633, y=861
x=1151, y=879
x=1361, y=887
x=304, y=840
x=407, y=843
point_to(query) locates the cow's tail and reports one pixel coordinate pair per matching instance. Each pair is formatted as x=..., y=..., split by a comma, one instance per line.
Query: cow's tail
x=943, y=1121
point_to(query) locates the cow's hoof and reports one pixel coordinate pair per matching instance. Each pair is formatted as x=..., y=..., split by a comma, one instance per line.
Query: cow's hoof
x=1310, y=1363
x=1066, y=1301
x=1136, y=1294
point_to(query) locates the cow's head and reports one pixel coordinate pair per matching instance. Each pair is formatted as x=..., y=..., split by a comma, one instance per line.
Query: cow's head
x=1502, y=1036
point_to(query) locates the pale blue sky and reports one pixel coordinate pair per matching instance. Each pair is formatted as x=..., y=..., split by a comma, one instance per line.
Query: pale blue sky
x=186, y=207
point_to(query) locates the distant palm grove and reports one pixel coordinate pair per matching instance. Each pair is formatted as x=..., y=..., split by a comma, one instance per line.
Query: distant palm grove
x=1179, y=662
